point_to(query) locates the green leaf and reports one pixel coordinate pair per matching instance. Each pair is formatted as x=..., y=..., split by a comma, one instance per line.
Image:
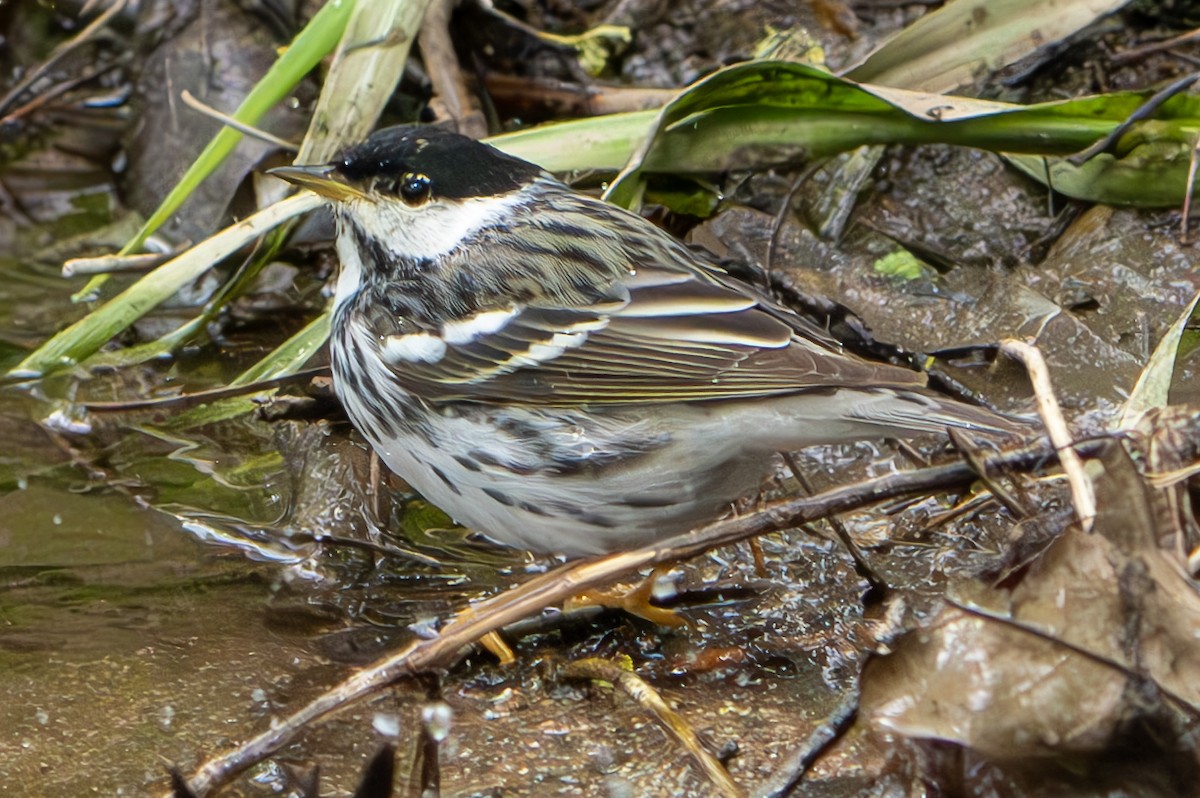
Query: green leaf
x=70, y=346
x=768, y=114
x=312, y=44
x=1153, y=387
x=901, y=264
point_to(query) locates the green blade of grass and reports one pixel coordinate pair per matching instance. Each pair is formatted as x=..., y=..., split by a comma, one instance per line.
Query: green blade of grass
x=87, y=335
x=312, y=44
x=288, y=358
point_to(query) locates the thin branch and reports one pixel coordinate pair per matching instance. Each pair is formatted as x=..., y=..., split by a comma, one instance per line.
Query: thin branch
x=784, y=780
x=201, y=397
x=139, y=263
x=671, y=721
x=1056, y=428
x=555, y=586
x=799, y=181
x=1182, y=704
x=971, y=453
x=876, y=584
x=1137, y=53
x=1189, y=192
x=1143, y=112
x=441, y=63
x=228, y=121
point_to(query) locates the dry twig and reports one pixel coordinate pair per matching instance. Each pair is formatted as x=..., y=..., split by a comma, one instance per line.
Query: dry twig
x=551, y=588
x=670, y=720
x=60, y=52
x=1056, y=428
x=441, y=62
x=228, y=121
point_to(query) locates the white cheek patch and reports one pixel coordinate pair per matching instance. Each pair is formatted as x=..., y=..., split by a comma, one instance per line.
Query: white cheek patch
x=413, y=348
x=431, y=230
x=464, y=331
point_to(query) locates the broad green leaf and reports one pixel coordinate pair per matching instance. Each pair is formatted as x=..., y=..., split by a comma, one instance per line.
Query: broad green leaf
x=956, y=44
x=765, y=114
x=944, y=49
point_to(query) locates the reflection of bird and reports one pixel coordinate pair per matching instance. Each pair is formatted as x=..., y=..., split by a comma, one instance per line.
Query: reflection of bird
x=558, y=373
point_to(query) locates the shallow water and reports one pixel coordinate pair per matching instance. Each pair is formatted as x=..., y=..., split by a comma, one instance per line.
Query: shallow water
x=160, y=592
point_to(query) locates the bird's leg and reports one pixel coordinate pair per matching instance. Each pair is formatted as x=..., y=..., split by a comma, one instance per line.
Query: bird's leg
x=636, y=602
x=494, y=643
x=742, y=506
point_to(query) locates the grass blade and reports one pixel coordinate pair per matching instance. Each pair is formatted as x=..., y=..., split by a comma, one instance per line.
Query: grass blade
x=81, y=339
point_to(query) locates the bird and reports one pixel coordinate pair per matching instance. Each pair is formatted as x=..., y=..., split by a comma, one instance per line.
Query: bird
x=560, y=374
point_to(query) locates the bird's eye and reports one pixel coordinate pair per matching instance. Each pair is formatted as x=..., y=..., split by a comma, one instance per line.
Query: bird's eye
x=414, y=188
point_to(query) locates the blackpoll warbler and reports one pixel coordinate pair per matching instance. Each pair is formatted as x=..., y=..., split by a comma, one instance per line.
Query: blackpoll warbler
x=557, y=372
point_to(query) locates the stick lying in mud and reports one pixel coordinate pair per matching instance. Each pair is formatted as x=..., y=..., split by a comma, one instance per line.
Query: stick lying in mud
x=551, y=588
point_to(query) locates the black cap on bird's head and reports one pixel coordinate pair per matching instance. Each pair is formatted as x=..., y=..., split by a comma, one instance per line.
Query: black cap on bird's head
x=415, y=163
x=459, y=166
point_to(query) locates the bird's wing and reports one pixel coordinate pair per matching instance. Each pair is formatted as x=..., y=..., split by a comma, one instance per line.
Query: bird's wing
x=661, y=334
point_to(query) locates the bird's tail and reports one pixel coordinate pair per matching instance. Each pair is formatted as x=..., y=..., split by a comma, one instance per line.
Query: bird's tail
x=848, y=414
x=926, y=411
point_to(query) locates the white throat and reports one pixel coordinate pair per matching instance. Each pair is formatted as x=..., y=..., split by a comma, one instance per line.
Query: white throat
x=430, y=231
